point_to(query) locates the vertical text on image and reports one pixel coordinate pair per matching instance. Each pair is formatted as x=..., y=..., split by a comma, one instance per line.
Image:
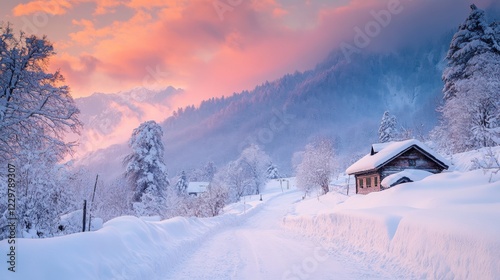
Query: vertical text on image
x=11, y=214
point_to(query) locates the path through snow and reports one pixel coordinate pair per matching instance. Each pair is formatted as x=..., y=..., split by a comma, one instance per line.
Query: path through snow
x=258, y=248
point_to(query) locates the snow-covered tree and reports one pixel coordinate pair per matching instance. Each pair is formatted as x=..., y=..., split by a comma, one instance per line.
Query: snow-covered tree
x=43, y=194
x=36, y=109
x=146, y=170
x=316, y=167
x=387, y=130
x=489, y=162
x=204, y=174
x=480, y=97
x=214, y=200
x=474, y=37
x=236, y=179
x=182, y=184
x=272, y=172
x=470, y=113
x=150, y=205
x=255, y=162
x=209, y=171
x=112, y=200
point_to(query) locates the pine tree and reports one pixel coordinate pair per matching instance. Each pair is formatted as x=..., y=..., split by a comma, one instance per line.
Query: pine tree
x=209, y=171
x=181, y=185
x=387, y=130
x=272, y=172
x=145, y=168
x=474, y=37
x=470, y=114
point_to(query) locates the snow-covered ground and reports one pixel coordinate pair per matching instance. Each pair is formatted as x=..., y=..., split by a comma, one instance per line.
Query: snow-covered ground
x=444, y=227
x=465, y=161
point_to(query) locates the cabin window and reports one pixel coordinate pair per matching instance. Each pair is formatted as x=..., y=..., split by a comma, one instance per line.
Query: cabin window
x=368, y=182
x=412, y=162
x=361, y=182
x=375, y=181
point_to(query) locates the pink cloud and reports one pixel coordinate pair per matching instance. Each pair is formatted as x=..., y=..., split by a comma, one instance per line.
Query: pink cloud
x=61, y=7
x=186, y=44
x=53, y=7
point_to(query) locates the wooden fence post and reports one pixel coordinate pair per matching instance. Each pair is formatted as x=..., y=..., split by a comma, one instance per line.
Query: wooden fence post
x=92, y=202
x=84, y=214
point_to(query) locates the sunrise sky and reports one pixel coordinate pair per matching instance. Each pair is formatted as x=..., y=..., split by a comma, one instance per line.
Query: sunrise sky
x=211, y=47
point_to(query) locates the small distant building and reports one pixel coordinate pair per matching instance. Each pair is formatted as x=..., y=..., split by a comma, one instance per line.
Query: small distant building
x=197, y=188
x=393, y=163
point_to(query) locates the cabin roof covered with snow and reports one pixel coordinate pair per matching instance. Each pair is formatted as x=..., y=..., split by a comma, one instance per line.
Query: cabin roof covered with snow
x=412, y=174
x=383, y=153
x=377, y=147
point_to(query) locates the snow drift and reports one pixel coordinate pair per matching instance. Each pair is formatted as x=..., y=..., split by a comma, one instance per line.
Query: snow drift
x=125, y=248
x=443, y=227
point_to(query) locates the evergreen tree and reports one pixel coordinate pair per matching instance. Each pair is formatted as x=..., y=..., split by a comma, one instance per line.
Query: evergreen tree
x=272, y=172
x=470, y=114
x=209, y=171
x=182, y=184
x=474, y=37
x=387, y=130
x=145, y=168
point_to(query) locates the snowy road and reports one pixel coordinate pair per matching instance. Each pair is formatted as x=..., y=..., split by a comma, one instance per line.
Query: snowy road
x=258, y=248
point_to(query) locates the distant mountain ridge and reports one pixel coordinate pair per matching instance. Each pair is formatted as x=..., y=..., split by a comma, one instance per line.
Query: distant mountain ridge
x=341, y=100
x=105, y=116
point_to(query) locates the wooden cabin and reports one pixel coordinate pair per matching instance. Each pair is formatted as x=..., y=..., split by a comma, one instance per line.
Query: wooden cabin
x=390, y=158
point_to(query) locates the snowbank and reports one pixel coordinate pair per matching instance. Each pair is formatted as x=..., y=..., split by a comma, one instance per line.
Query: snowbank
x=412, y=174
x=464, y=161
x=443, y=227
x=125, y=248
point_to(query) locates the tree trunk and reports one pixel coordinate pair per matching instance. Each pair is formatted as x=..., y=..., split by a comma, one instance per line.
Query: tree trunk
x=325, y=188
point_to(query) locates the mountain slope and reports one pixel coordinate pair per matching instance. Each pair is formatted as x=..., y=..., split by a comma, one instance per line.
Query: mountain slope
x=341, y=100
x=110, y=118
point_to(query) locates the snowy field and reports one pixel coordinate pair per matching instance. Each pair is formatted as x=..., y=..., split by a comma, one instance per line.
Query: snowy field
x=444, y=227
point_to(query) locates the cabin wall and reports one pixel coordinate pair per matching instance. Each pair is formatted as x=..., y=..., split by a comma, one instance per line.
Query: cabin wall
x=411, y=159
x=367, y=183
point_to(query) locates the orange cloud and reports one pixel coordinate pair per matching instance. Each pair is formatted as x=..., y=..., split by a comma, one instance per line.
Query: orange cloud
x=278, y=12
x=149, y=4
x=53, y=7
x=185, y=44
x=89, y=34
x=61, y=7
